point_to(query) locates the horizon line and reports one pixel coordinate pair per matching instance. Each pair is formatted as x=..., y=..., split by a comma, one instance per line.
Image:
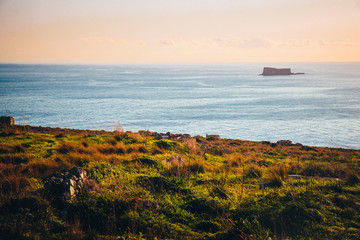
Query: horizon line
x=170, y=63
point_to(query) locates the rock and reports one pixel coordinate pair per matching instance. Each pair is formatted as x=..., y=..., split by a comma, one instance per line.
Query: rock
x=284, y=143
x=177, y=160
x=295, y=176
x=76, y=171
x=269, y=71
x=212, y=137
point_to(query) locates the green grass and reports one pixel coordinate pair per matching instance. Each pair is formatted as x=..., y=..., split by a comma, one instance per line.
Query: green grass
x=228, y=189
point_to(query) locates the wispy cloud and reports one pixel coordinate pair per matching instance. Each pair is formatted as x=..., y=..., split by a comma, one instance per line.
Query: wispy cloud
x=106, y=40
x=167, y=42
x=255, y=42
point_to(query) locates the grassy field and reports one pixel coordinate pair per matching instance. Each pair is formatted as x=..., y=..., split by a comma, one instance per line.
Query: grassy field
x=219, y=189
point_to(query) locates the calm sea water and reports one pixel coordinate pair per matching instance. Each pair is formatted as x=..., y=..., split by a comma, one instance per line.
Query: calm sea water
x=320, y=108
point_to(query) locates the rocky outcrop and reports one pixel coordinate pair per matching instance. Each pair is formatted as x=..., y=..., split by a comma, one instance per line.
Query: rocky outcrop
x=269, y=71
x=69, y=184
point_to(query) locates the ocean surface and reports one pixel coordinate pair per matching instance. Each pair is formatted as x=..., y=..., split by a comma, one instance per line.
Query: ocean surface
x=320, y=108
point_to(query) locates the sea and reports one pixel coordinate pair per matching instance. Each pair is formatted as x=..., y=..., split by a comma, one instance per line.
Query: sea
x=319, y=108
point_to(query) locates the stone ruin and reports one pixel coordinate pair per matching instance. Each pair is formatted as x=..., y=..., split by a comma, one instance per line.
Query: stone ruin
x=69, y=184
x=9, y=121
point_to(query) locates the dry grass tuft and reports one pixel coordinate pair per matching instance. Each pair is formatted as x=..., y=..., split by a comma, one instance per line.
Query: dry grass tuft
x=276, y=175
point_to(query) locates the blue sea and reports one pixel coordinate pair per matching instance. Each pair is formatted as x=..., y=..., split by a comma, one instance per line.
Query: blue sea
x=320, y=108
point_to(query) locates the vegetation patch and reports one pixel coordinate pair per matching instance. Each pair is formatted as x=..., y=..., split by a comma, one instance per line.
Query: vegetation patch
x=211, y=189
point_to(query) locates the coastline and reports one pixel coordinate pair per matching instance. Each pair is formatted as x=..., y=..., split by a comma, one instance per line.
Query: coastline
x=146, y=185
x=156, y=135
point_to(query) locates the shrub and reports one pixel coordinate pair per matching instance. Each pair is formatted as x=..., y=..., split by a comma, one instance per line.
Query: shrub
x=110, y=149
x=253, y=171
x=66, y=147
x=5, y=149
x=156, y=150
x=352, y=178
x=157, y=184
x=321, y=170
x=277, y=175
x=131, y=149
x=165, y=144
x=19, y=148
x=113, y=142
x=147, y=161
x=177, y=171
x=142, y=149
x=205, y=206
x=295, y=216
x=44, y=169
x=197, y=168
x=13, y=184
x=208, y=226
x=85, y=143
x=126, y=138
x=192, y=146
x=15, y=158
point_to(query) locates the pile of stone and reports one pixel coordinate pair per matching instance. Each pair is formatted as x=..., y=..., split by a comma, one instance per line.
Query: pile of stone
x=69, y=184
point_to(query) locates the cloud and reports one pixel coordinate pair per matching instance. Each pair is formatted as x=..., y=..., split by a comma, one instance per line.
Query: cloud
x=342, y=42
x=295, y=43
x=256, y=42
x=337, y=42
x=248, y=43
x=167, y=42
x=105, y=40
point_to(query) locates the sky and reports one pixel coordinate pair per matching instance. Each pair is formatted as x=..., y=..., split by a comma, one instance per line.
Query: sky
x=173, y=31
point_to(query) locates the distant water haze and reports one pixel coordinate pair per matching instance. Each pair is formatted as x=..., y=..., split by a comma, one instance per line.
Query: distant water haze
x=320, y=108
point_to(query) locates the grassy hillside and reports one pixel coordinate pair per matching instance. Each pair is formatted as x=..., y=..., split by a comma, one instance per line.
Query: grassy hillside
x=217, y=189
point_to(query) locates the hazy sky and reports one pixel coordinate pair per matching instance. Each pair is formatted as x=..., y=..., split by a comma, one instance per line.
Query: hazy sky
x=179, y=30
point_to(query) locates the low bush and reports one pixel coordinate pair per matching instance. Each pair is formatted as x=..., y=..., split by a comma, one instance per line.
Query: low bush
x=66, y=147
x=276, y=176
x=165, y=144
x=15, y=158
x=253, y=171
x=205, y=206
